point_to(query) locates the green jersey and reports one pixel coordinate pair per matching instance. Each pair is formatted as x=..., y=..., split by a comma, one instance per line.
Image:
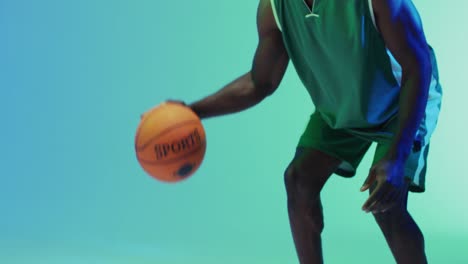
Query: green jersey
x=342, y=60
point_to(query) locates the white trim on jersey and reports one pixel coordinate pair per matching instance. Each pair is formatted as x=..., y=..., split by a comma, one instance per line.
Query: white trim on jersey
x=273, y=8
x=371, y=9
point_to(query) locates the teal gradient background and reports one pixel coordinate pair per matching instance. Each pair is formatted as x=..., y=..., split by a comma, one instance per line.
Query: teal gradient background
x=75, y=77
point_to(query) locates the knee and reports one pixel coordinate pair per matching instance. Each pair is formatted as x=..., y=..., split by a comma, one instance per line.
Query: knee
x=306, y=175
x=392, y=216
x=399, y=228
x=303, y=200
x=290, y=179
x=301, y=184
x=394, y=221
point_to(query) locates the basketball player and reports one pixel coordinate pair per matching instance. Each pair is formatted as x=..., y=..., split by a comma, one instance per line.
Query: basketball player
x=373, y=78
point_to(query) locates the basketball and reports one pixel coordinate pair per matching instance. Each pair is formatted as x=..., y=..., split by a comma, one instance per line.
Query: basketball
x=170, y=142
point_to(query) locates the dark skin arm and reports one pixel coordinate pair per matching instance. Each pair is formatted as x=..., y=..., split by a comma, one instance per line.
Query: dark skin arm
x=401, y=29
x=268, y=68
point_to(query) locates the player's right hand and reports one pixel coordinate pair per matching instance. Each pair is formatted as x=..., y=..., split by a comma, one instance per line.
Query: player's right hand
x=176, y=102
x=167, y=101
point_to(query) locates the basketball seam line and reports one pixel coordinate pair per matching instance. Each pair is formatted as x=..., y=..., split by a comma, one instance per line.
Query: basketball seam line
x=173, y=159
x=148, y=142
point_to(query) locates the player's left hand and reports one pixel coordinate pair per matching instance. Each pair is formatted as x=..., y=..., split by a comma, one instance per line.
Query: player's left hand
x=387, y=176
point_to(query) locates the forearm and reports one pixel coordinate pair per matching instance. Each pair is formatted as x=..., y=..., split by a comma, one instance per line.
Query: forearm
x=234, y=97
x=413, y=101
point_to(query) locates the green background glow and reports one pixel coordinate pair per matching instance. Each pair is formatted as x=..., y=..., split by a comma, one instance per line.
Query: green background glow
x=76, y=75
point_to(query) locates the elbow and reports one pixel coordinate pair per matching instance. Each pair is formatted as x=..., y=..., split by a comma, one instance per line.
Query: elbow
x=424, y=64
x=262, y=91
x=426, y=67
x=420, y=68
x=260, y=88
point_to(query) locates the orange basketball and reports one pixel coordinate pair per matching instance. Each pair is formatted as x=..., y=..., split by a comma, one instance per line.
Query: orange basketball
x=170, y=142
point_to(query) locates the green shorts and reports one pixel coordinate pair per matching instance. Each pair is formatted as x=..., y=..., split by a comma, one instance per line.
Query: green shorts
x=350, y=146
